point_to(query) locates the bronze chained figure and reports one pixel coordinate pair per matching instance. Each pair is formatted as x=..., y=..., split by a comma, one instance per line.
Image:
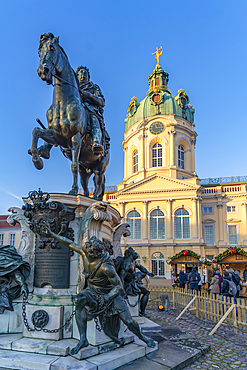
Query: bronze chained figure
x=101, y=297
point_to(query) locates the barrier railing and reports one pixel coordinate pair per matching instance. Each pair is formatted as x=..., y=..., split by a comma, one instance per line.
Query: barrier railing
x=218, y=309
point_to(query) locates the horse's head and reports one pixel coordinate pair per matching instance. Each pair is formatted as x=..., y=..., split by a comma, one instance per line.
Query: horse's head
x=49, y=51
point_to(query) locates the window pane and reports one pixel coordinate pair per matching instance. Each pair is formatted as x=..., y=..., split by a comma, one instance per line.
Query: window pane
x=1, y=239
x=233, y=239
x=154, y=267
x=208, y=234
x=177, y=227
x=134, y=220
x=157, y=224
x=186, y=228
x=158, y=264
x=12, y=239
x=157, y=155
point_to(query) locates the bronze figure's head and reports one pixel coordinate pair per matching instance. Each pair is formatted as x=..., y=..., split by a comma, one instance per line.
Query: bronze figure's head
x=94, y=247
x=83, y=74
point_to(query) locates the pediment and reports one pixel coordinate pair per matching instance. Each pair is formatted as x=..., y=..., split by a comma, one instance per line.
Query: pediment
x=159, y=183
x=233, y=220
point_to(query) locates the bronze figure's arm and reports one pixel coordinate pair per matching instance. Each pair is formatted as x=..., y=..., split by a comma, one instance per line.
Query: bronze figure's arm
x=61, y=239
x=144, y=270
x=114, y=279
x=97, y=98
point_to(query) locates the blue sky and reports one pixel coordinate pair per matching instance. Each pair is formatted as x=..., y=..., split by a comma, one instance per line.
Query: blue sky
x=204, y=52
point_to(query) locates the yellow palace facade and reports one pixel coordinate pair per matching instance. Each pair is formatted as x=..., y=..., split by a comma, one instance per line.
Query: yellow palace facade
x=161, y=197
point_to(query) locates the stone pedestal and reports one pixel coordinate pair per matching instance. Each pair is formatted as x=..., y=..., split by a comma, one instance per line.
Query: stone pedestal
x=133, y=300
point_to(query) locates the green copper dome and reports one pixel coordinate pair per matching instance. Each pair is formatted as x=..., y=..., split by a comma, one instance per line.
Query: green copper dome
x=159, y=100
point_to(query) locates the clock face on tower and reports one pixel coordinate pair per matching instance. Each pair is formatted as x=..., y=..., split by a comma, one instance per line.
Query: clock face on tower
x=156, y=127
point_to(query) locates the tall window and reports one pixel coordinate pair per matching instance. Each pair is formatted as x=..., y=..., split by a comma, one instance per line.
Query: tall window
x=158, y=264
x=180, y=156
x=12, y=239
x=134, y=220
x=1, y=239
x=208, y=234
x=181, y=224
x=157, y=225
x=135, y=161
x=157, y=155
x=233, y=236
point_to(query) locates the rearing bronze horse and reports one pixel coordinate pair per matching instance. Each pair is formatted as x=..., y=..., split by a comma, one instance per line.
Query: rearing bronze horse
x=68, y=121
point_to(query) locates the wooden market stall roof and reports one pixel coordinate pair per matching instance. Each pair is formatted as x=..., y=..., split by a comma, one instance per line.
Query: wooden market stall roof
x=188, y=256
x=231, y=255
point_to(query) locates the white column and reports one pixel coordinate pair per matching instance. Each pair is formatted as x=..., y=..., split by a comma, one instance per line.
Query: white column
x=194, y=224
x=169, y=235
x=244, y=205
x=145, y=220
x=122, y=209
x=172, y=134
x=220, y=220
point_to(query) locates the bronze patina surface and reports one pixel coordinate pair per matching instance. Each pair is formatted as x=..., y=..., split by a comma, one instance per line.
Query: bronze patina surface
x=75, y=119
x=100, y=297
x=52, y=259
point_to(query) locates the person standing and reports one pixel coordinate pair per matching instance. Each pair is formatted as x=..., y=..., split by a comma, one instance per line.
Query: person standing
x=182, y=279
x=220, y=279
x=200, y=282
x=194, y=278
x=214, y=286
x=245, y=273
x=237, y=280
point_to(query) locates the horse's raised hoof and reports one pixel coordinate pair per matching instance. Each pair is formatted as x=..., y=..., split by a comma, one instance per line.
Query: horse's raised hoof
x=44, y=153
x=73, y=192
x=38, y=163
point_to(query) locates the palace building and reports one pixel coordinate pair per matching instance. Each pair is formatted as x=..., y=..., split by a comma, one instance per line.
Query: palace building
x=168, y=207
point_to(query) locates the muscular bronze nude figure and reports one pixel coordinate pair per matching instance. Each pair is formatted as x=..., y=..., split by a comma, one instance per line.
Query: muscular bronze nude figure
x=101, y=294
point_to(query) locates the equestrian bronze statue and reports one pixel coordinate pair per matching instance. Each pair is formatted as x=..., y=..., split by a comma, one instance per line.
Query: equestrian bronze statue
x=101, y=297
x=75, y=119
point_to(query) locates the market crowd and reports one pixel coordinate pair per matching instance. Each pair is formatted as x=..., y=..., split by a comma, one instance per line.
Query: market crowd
x=228, y=285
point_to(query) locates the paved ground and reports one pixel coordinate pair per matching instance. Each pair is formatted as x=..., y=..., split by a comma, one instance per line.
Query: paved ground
x=228, y=350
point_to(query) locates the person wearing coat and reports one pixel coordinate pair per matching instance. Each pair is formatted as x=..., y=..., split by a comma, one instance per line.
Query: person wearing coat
x=182, y=279
x=214, y=286
x=220, y=279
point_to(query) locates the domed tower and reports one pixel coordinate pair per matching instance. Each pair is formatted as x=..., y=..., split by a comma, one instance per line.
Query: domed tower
x=160, y=135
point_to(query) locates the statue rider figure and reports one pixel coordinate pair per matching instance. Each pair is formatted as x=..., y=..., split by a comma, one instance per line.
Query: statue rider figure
x=93, y=100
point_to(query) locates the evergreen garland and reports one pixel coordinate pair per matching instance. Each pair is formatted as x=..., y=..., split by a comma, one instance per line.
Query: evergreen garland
x=229, y=251
x=188, y=252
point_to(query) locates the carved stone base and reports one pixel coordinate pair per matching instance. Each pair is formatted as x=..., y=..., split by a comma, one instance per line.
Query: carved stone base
x=134, y=311
x=94, y=336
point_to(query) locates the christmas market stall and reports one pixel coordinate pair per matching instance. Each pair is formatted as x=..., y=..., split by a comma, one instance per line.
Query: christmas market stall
x=236, y=258
x=186, y=259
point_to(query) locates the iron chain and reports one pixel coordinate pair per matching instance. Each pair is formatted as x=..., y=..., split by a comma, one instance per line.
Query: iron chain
x=24, y=315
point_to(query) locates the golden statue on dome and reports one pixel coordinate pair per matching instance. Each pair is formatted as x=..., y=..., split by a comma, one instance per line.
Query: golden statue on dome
x=157, y=53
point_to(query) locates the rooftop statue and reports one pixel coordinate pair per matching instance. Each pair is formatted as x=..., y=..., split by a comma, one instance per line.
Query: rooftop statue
x=157, y=54
x=75, y=119
x=100, y=296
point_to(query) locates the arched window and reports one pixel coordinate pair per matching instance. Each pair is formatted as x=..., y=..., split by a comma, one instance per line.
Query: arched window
x=157, y=224
x=180, y=156
x=157, y=155
x=158, y=264
x=134, y=220
x=181, y=224
x=135, y=161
